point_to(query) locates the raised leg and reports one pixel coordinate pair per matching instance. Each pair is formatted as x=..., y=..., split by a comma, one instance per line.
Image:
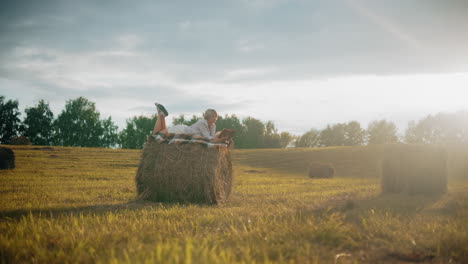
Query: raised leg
x=160, y=125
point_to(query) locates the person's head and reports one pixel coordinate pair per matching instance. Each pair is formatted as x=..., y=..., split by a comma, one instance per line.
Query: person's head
x=210, y=115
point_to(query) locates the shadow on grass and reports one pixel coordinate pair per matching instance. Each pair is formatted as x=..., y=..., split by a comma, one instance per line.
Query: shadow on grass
x=390, y=209
x=98, y=209
x=397, y=204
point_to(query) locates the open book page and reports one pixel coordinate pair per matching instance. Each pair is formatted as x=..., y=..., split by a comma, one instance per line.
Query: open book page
x=226, y=133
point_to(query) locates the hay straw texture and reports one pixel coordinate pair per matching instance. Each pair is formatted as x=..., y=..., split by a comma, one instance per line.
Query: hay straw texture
x=321, y=170
x=186, y=173
x=7, y=158
x=414, y=169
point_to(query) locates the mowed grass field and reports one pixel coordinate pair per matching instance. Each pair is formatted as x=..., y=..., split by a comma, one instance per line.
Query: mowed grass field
x=77, y=205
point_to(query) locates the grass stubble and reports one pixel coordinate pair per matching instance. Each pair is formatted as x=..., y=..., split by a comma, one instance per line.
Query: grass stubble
x=76, y=205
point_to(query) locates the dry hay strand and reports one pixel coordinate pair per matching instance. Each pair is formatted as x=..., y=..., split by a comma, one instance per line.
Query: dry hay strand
x=7, y=158
x=185, y=173
x=22, y=140
x=321, y=170
x=414, y=169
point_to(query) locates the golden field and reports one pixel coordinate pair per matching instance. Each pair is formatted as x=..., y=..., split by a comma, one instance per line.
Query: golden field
x=77, y=205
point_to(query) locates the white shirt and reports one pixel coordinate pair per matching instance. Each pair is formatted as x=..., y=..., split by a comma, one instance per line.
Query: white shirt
x=200, y=128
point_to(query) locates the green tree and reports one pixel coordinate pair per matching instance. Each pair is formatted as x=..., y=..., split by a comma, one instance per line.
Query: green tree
x=38, y=124
x=271, y=138
x=254, y=133
x=285, y=139
x=136, y=130
x=309, y=139
x=110, y=136
x=415, y=133
x=354, y=134
x=79, y=125
x=382, y=132
x=10, y=124
x=232, y=122
x=334, y=135
x=439, y=129
x=180, y=120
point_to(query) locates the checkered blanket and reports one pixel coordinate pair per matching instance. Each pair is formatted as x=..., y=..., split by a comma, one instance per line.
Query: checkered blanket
x=186, y=139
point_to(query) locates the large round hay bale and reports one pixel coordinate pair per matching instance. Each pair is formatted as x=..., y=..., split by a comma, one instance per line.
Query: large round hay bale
x=21, y=140
x=321, y=170
x=7, y=158
x=192, y=173
x=457, y=160
x=414, y=169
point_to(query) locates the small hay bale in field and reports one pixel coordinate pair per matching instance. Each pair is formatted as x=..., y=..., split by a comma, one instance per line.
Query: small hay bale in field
x=7, y=158
x=22, y=140
x=414, y=169
x=191, y=173
x=321, y=170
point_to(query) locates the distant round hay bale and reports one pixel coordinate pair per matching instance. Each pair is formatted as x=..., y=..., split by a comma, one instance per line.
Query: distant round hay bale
x=192, y=173
x=321, y=170
x=414, y=169
x=457, y=160
x=21, y=140
x=7, y=158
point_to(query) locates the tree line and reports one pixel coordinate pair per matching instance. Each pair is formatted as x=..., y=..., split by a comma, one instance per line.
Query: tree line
x=350, y=134
x=80, y=124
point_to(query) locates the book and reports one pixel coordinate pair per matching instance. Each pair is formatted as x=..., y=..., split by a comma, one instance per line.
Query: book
x=226, y=133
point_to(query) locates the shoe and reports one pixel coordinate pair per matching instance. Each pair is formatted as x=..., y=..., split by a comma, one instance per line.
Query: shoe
x=161, y=109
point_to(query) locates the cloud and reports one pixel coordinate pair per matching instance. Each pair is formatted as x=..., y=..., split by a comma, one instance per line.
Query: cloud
x=129, y=41
x=228, y=55
x=304, y=38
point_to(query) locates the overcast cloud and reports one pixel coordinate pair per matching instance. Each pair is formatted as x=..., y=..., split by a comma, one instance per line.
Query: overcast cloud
x=301, y=64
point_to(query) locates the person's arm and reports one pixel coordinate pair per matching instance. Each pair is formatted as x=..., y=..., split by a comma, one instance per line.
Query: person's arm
x=215, y=137
x=213, y=130
x=218, y=140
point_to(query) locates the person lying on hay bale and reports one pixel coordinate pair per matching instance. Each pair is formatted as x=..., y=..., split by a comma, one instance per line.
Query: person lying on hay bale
x=205, y=127
x=180, y=168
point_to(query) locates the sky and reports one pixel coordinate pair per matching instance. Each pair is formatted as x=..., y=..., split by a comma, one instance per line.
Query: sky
x=302, y=64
